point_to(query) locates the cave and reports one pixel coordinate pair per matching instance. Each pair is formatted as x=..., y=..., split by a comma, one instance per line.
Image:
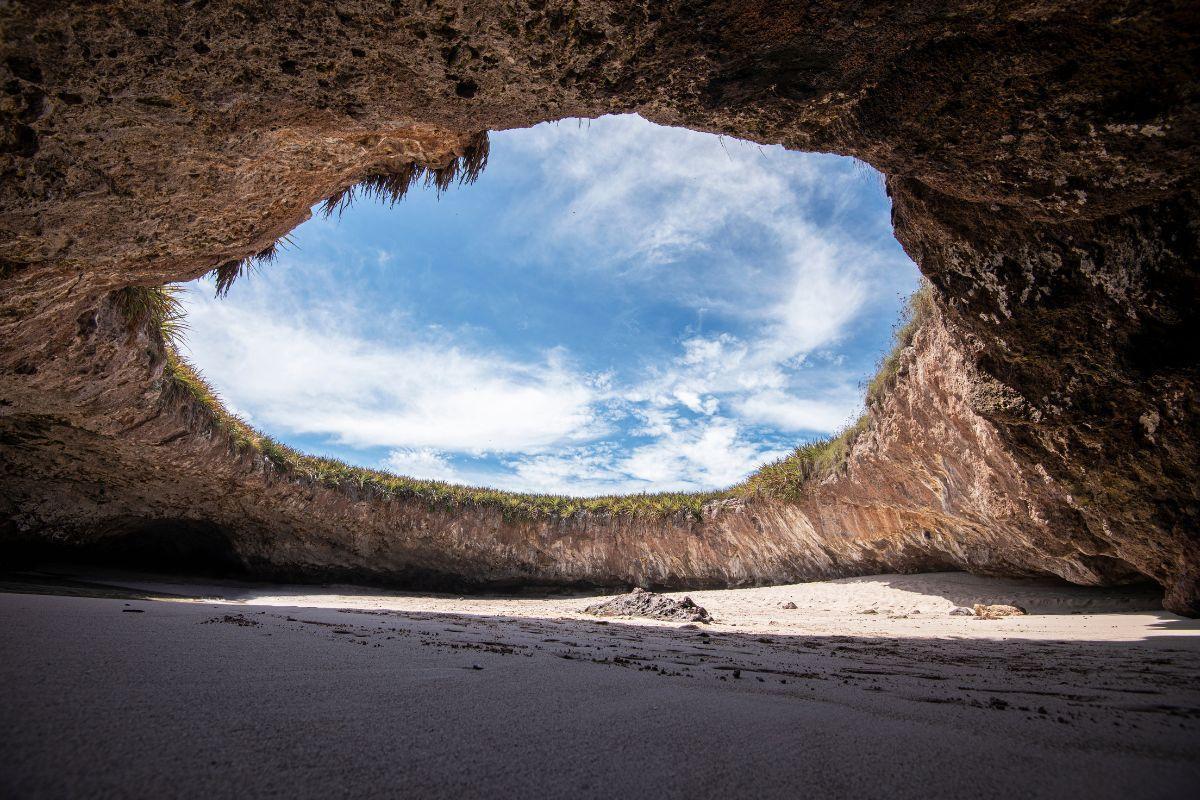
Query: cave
x=987, y=586
x=1041, y=420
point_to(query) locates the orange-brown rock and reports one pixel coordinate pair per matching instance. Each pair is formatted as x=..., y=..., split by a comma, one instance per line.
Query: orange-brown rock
x=1041, y=157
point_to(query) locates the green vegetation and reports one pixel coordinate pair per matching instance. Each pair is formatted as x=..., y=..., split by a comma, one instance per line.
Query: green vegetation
x=787, y=477
x=183, y=383
x=915, y=312
x=227, y=274
x=158, y=306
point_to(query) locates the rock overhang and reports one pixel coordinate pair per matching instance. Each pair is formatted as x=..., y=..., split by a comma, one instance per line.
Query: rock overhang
x=1042, y=164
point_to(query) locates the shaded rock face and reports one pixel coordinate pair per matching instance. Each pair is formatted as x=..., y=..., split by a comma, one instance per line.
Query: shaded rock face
x=1041, y=158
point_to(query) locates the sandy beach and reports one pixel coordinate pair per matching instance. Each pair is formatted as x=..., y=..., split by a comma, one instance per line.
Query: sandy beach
x=125, y=685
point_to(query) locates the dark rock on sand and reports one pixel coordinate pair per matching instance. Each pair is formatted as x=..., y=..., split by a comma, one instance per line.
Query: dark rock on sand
x=641, y=603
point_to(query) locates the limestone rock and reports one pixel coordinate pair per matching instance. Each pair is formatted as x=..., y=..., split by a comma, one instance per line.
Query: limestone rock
x=997, y=611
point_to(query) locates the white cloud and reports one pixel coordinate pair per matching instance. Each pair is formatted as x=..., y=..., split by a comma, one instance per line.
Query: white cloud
x=791, y=413
x=685, y=456
x=583, y=471
x=736, y=232
x=711, y=453
x=653, y=192
x=423, y=462
x=644, y=195
x=306, y=375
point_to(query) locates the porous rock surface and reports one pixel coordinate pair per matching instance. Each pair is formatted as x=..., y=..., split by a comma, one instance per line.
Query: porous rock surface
x=1041, y=157
x=651, y=605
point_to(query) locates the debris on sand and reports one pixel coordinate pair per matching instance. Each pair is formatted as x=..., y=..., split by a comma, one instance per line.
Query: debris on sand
x=232, y=619
x=962, y=611
x=790, y=606
x=998, y=611
x=641, y=603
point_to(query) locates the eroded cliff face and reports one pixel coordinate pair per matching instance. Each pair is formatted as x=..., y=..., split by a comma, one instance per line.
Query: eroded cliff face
x=1042, y=163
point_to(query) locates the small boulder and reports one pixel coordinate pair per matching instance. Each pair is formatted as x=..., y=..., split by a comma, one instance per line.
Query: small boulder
x=641, y=603
x=998, y=611
x=790, y=606
x=962, y=611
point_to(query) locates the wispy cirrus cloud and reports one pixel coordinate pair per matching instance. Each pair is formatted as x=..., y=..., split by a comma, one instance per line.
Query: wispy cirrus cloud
x=647, y=200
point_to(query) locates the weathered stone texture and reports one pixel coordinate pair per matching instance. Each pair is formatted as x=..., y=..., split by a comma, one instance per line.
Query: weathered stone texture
x=1042, y=158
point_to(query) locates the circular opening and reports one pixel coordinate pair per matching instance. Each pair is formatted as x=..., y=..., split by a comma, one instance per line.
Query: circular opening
x=614, y=307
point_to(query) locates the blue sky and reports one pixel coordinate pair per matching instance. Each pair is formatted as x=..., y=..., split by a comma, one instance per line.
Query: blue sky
x=613, y=307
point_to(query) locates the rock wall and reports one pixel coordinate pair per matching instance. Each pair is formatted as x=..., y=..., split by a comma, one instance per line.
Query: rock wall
x=1041, y=156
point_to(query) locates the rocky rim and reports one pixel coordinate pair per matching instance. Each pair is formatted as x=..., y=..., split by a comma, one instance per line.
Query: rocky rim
x=1042, y=163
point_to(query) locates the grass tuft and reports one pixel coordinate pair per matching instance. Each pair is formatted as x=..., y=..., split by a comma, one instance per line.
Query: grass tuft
x=390, y=185
x=786, y=478
x=157, y=306
x=475, y=158
x=914, y=315
x=228, y=273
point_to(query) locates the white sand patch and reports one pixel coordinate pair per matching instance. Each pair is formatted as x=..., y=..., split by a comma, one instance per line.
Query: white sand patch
x=894, y=605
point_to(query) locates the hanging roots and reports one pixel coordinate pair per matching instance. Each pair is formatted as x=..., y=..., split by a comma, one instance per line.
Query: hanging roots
x=474, y=159
x=230, y=271
x=391, y=184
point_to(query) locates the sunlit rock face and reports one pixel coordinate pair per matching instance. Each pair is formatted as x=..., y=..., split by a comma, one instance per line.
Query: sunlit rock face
x=1042, y=163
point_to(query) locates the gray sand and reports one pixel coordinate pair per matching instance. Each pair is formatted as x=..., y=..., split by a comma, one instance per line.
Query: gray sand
x=261, y=695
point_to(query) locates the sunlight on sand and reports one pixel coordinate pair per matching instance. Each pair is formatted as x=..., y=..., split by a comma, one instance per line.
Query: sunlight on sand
x=882, y=605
